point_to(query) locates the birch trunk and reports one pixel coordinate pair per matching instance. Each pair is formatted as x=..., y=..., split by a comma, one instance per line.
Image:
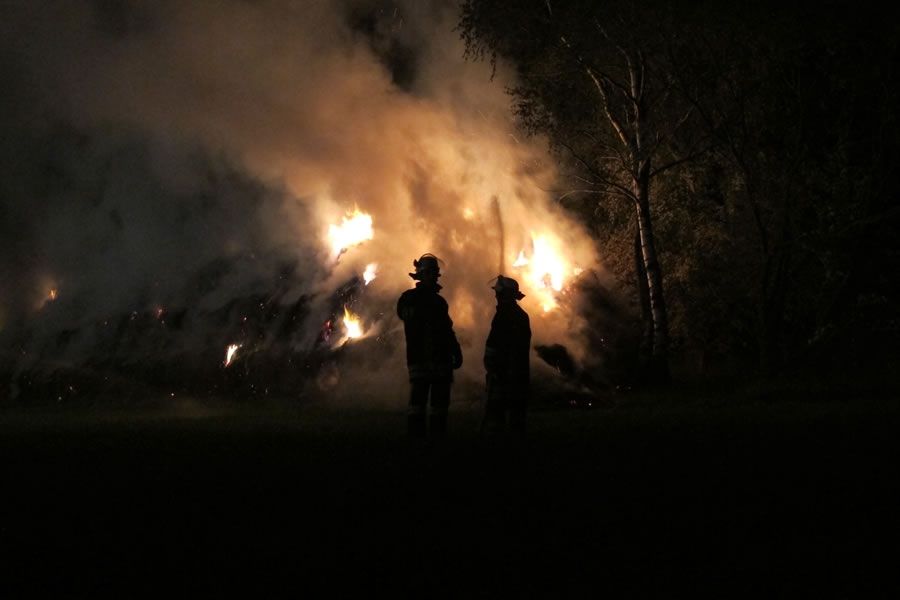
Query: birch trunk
x=645, y=350
x=660, y=349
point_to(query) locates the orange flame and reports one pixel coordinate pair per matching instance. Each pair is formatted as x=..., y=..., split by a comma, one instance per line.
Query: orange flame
x=230, y=353
x=355, y=229
x=352, y=325
x=544, y=271
x=370, y=272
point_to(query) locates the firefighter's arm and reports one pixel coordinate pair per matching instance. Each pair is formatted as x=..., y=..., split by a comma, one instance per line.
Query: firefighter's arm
x=403, y=309
x=493, y=350
x=455, y=350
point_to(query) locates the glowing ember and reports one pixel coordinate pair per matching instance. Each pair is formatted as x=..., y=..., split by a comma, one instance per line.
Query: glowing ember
x=369, y=273
x=468, y=214
x=355, y=229
x=230, y=353
x=544, y=271
x=51, y=295
x=352, y=325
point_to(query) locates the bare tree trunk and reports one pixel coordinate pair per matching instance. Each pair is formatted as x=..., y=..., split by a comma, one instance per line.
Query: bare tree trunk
x=660, y=352
x=645, y=350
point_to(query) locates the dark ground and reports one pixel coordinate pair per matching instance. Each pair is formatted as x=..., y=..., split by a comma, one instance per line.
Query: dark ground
x=753, y=497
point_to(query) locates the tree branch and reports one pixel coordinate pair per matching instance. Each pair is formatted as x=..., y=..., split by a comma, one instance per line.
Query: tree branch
x=689, y=157
x=597, y=175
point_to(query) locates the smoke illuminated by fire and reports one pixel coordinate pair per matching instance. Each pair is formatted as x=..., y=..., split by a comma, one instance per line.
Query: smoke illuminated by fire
x=355, y=229
x=227, y=172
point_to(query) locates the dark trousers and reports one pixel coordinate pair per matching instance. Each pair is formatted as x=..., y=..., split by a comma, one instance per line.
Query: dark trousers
x=420, y=391
x=506, y=406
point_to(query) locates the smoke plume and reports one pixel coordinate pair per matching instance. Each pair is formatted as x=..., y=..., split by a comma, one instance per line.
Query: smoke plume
x=169, y=160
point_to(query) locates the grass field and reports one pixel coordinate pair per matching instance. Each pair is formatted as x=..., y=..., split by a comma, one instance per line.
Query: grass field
x=652, y=495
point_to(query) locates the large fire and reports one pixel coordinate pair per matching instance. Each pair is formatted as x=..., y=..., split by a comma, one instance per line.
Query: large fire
x=352, y=325
x=545, y=270
x=439, y=170
x=355, y=229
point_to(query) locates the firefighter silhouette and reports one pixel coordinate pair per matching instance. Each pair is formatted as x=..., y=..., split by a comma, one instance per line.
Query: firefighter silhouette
x=432, y=351
x=506, y=360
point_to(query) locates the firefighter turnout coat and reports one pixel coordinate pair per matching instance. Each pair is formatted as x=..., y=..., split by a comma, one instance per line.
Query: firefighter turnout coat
x=506, y=353
x=432, y=350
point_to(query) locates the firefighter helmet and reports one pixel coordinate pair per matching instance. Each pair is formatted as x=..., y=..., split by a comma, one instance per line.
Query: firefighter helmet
x=508, y=285
x=427, y=263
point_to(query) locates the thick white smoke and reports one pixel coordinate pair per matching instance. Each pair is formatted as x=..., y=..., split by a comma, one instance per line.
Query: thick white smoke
x=184, y=154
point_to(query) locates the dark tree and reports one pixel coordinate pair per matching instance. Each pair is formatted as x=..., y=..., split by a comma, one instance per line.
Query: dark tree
x=801, y=103
x=597, y=80
x=775, y=232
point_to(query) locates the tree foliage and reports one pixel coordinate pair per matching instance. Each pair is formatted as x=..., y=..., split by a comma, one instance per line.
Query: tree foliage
x=771, y=134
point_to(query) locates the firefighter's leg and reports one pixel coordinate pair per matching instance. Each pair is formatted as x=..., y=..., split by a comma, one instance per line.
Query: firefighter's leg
x=518, y=403
x=494, y=407
x=440, y=403
x=418, y=402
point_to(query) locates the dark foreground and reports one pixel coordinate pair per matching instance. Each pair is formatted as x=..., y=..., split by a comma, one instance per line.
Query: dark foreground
x=755, y=498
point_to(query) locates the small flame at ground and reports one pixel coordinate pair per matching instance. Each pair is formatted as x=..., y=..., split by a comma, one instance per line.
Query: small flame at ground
x=230, y=353
x=355, y=229
x=352, y=325
x=52, y=294
x=369, y=273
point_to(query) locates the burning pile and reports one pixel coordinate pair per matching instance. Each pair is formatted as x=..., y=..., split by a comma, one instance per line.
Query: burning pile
x=286, y=233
